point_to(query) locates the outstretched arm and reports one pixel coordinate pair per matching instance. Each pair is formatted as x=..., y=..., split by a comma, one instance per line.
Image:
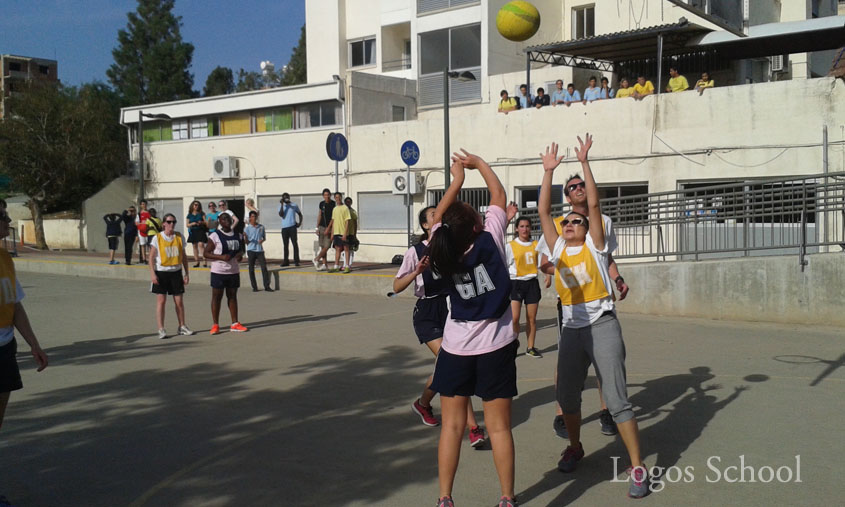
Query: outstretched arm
x=400, y=284
x=21, y=321
x=544, y=206
x=452, y=192
x=498, y=196
x=593, y=205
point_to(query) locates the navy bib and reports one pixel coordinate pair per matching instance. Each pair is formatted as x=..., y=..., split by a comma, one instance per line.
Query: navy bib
x=433, y=284
x=482, y=290
x=231, y=242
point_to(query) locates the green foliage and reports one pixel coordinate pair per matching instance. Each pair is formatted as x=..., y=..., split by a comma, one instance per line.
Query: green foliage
x=296, y=72
x=221, y=81
x=61, y=144
x=251, y=80
x=151, y=63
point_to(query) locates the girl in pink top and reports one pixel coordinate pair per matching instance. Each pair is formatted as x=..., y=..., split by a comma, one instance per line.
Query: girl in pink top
x=478, y=352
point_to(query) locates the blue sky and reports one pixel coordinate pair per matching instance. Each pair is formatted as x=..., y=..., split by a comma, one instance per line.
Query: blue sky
x=81, y=34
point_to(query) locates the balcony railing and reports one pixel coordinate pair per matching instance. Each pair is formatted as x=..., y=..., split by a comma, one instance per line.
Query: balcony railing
x=431, y=88
x=424, y=6
x=392, y=65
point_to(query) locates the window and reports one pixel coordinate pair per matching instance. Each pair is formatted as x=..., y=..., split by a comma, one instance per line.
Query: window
x=382, y=211
x=528, y=197
x=583, y=22
x=235, y=123
x=15, y=66
x=199, y=128
x=458, y=49
x=478, y=198
x=619, y=203
x=434, y=51
x=157, y=131
x=362, y=52
x=319, y=114
x=180, y=129
x=398, y=113
x=424, y=6
x=273, y=120
x=44, y=69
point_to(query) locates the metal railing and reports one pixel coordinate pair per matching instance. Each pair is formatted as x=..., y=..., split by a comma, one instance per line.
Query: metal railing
x=403, y=63
x=797, y=215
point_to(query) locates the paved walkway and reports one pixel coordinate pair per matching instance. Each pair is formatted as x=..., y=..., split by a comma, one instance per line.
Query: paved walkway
x=312, y=407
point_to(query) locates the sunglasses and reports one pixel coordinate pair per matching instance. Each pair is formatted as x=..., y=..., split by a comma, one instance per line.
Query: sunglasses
x=170, y=221
x=572, y=187
x=574, y=221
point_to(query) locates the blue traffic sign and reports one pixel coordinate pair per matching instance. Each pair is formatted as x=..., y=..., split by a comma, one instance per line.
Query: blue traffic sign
x=410, y=153
x=337, y=147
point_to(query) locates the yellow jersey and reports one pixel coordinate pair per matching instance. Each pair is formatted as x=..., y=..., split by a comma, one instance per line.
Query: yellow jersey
x=678, y=84
x=624, y=92
x=644, y=89
x=169, y=251
x=524, y=264
x=8, y=289
x=577, y=278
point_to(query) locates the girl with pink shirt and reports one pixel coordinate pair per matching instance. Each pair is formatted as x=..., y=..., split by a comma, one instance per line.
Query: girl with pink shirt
x=478, y=352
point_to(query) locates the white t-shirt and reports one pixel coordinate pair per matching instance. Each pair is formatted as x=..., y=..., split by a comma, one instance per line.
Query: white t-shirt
x=584, y=314
x=8, y=333
x=154, y=246
x=409, y=264
x=512, y=260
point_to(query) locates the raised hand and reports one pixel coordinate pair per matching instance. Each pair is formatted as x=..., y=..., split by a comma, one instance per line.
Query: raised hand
x=457, y=168
x=512, y=210
x=584, y=147
x=422, y=265
x=550, y=158
x=469, y=160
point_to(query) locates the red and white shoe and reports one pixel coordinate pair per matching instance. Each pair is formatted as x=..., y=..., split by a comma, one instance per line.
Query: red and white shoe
x=238, y=328
x=477, y=437
x=425, y=413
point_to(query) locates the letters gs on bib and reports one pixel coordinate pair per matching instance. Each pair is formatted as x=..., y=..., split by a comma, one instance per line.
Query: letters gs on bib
x=337, y=147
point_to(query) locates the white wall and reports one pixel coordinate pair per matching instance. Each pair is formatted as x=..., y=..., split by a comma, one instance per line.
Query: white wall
x=60, y=234
x=325, y=38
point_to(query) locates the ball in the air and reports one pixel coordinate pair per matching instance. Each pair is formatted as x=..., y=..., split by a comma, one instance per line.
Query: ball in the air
x=518, y=20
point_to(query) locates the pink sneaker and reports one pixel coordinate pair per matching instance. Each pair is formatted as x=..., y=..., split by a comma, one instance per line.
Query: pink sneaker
x=425, y=413
x=477, y=437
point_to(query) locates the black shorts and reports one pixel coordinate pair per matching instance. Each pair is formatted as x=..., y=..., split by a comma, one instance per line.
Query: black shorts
x=488, y=376
x=219, y=281
x=337, y=241
x=526, y=291
x=170, y=283
x=430, y=318
x=113, y=242
x=197, y=235
x=10, y=374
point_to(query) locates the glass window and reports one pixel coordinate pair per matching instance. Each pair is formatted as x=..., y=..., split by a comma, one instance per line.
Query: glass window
x=583, y=22
x=465, y=47
x=157, y=131
x=362, y=52
x=434, y=51
x=398, y=113
x=199, y=128
x=235, y=123
x=318, y=114
x=382, y=211
x=15, y=66
x=180, y=129
x=272, y=120
x=44, y=69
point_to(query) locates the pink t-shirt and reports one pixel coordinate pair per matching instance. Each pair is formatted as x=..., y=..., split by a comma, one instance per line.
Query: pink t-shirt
x=409, y=264
x=471, y=338
x=229, y=267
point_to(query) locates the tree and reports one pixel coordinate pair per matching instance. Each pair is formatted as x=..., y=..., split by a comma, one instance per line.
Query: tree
x=296, y=71
x=151, y=63
x=61, y=145
x=219, y=82
x=252, y=80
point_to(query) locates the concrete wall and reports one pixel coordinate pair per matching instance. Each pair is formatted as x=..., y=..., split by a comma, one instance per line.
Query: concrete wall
x=371, y=98
x=325, y=38
x=114, y=198
x=60, y=234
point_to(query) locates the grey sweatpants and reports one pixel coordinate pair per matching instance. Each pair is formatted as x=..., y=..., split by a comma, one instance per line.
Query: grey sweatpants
x=600, y=344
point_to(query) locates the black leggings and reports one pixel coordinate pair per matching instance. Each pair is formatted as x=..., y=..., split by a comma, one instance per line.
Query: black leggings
x=258, y=256
x=128, y=245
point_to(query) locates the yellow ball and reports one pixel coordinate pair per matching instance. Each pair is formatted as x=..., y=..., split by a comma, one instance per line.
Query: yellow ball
x=518, y=20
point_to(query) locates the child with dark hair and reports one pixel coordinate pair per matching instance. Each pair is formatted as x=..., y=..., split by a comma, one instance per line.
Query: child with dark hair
x=478, y=353
x=153, y=225
x=429, y=318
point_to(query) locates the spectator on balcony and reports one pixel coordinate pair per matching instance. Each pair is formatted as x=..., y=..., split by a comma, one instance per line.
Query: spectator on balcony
x=559, y=94
x=592, y=92
x=524, y=100
x=572, y=95
x=507, y=104
x=541, y=99
x=624, y=91
x=677, y=82
x=704, y=82
x=643, y=88
x=605, y=91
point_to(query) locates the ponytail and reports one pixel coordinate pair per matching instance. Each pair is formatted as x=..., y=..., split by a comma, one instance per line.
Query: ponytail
x=449, y=242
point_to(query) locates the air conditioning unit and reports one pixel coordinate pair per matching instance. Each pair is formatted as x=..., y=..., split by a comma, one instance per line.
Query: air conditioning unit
x=226, y=168
x=399, y=183
x=778, y=63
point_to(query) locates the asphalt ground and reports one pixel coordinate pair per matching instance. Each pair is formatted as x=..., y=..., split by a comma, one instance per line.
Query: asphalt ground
x=312, y=407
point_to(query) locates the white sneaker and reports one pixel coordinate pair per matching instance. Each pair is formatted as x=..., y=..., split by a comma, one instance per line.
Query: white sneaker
x=316, y=264
x=321, y=267
x=184, y=331
x=162, y=334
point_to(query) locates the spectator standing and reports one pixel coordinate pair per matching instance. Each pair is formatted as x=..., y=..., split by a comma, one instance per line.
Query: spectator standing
x=677, y=82
x=211, y=218
x=541, y=99
x=592, y=92
x=559, y=93
x=130, y=233
x=704, y=82
x=255, y=237
x=340, y=228
x=606, y=92
x=196, y=231
x=524, y=100
x=153, y=225
x=223, y=207
x=225, y=250
x=289, y=213
x=113, y=232
x=624, y=91
x=643, y=88
x=572, y=95
x=507, y=104
x=141, y=220
x=250, y=206
x=324, y=233
x=352, y=235
x=167, y=259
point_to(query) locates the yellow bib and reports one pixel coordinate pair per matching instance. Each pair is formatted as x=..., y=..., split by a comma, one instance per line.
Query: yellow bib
x=8, y=289
x=170, y=252
x=577, y=278
x=525, y=258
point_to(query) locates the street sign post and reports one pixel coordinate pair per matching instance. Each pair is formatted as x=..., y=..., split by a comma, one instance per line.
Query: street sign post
x=337, y=148
x=410, y=154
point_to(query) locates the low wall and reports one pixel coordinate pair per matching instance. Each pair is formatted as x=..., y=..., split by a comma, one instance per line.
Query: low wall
x=59, y=233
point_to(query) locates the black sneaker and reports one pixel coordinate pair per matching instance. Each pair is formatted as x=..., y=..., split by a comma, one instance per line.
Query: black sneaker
x=268, y=289
x=569, y=458
x=560, y=427
x=533, y=352
x=608, y=427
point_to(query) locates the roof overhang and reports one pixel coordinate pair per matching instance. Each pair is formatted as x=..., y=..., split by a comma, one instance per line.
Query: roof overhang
x=777, y=39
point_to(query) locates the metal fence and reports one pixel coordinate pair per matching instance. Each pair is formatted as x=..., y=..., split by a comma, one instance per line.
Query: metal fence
x=743, y=218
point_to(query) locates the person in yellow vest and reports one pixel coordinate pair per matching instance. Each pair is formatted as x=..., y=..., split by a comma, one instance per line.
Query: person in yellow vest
x=12, y=316
x=153, y=224
x=522, y=259
x=167, y=260
x=677, y=82
x=590, y=331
